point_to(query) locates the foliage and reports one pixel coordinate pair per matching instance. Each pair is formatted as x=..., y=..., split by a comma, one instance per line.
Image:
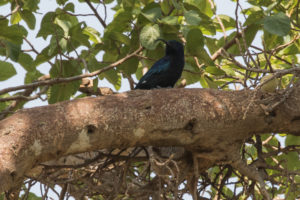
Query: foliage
x=219, y=54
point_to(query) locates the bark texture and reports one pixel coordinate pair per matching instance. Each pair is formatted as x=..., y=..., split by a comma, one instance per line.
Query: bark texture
x=209, y=122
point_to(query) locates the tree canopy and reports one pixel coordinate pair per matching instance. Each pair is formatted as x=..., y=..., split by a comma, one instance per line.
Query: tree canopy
x=236, y=138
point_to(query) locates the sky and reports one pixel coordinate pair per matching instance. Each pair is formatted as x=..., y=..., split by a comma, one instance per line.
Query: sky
x=223, y=7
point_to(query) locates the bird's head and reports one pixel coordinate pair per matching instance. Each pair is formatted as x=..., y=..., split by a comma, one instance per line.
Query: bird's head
x=173, y=47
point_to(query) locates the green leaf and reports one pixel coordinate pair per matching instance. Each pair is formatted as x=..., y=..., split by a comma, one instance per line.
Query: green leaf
x=214, y=70
x=65, y=68
x=93, y=34
x=64, y=91
x=129, y=66
x=69, y=7
x=77, y=33
x=32, y=76
x=110, y=56
x=64, y=24
x=7, y=70
x=190, y=64
x=120, y=37
x=53, y=46
x=61, y=15
x=290, y=50
x=4, y=105
x=292, y=140
x=121, y=21
x=15, y=18
x=192, y=18
x=61, y=2
x=170, y=20
x=195, y=41
x=189, y=76
x=154, y=54
x=128, y=4
x=250, y=33
x=211, y=44
x=29, y=18
x=177, y=5
x=31, y=5
x=208, y=29
x=107, y=1
x=271, y=40
x=228, y=192
x=152, y=14
x=203, y=6
x=12, y=33
x=165, y=7
x=95, y=84
x=113, y=77
x=148, y=36
x=210, y=82
x=293, y=162
x=270, y=86
x=12, y=50
x=3, y=2
x=203, y=82
x=205, y=58
x=278, y=24
x=255, y=15
x=26, y=61
x=48, y=27
x=228, y=22
x=229, y=69
x=44, y=56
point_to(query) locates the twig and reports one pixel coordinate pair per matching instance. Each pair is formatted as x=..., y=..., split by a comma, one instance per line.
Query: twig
x=27, y=98
x=96, y=13
x=12, y=12
x=253, y=174
x=63, y=192
x=237, y=16
x=218, y=18
x=78, y=15
x=33, y=49
x=73, y=78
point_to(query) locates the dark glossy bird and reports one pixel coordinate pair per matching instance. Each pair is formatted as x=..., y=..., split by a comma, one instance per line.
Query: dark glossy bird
x=166, y=71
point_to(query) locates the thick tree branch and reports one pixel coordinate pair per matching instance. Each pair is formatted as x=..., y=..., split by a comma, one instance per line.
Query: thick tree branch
x=207, y=122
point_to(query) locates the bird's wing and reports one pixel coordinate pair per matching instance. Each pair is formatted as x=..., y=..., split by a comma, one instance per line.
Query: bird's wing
x=152, y=77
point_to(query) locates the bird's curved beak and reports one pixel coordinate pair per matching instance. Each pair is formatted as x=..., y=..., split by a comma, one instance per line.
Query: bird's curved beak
x=159, y=39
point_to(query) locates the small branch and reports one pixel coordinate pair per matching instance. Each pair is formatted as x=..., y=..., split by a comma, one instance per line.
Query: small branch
x=78, y=15
x=218, y=18
x=63, y=192
x=253, y=174
x=73, y=78
x=222, y=26
x=96, y=13
x=26, y=98
x=14, y=11
x=34, y=49
x=237, y=16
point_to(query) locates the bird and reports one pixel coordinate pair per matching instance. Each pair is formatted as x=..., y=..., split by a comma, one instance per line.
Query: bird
x=166, y=71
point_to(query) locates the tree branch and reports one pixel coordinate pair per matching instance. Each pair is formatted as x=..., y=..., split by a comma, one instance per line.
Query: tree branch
x=69, y=79
x=96, y=13
x=165, y=117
